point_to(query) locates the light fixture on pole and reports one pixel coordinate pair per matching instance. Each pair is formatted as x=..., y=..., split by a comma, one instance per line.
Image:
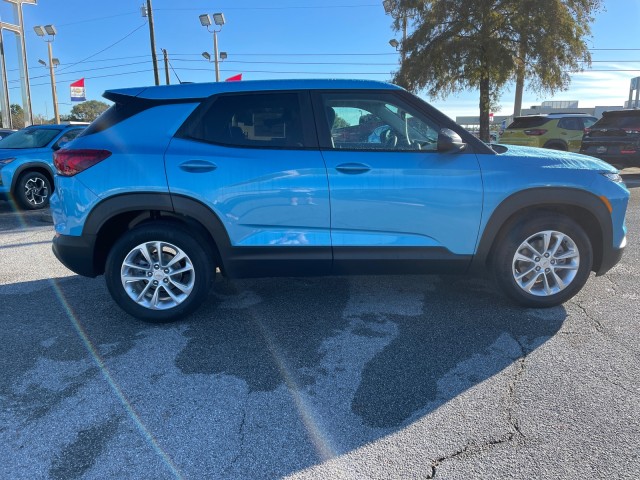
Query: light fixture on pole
x=48, y=34
x=218, y=21
x=210, y=58
x=392, y=8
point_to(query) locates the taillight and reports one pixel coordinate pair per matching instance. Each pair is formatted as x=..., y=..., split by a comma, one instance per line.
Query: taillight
x=535, y=132
x=71, y=162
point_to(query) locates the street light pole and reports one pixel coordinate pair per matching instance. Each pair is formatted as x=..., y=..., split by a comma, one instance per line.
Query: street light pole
x=215, y=55
x=218, y=20
x=54, y=92
x=50, y=31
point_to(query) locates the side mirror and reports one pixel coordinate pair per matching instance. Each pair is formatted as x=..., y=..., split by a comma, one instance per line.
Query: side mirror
x=449, y=141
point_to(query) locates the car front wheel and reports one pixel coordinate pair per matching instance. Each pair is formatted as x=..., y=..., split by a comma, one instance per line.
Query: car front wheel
x=32, y=190
x=543, y=261
x=159, y=272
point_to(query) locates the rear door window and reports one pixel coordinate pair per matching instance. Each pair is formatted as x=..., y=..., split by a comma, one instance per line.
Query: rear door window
x=571, y=123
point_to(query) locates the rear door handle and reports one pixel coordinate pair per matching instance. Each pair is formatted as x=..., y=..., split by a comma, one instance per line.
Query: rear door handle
x=353, y=168
x=198, y=166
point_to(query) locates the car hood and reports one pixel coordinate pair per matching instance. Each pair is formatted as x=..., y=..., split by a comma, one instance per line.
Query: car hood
x=548, y=158
x=25, y=152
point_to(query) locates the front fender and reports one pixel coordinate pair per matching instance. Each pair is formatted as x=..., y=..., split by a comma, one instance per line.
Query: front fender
x=542, y=198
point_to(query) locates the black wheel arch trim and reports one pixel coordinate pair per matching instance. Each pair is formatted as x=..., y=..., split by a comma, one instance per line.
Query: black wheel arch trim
x=175, y=205
x=547, y=198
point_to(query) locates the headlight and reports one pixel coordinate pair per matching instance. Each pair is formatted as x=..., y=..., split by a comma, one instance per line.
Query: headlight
x=6, y=161
x=614, y=177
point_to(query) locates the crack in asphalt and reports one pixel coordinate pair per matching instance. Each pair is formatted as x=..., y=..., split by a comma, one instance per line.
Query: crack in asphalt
x=607, y=333
x=615, y=286
x=515, y=433
x=238, y=455
x=619, y=385
x=598, y=326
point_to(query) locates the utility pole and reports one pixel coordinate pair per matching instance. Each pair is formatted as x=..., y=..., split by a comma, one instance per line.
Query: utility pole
x=166, y=65
x=152, y=36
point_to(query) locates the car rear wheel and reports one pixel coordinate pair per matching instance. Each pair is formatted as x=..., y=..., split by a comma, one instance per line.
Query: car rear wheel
x=543, y=261
x=159, y=272
x=554, y=145
x=32, y=190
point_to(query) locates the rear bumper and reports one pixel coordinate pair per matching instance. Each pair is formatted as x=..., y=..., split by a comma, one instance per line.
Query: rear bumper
x=76, y=253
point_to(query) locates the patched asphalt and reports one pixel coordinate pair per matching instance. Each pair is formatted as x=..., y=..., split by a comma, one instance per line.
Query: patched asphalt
x=307, y=378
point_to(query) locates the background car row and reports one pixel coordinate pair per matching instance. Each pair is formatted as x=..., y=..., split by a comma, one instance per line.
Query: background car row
x=614, y=138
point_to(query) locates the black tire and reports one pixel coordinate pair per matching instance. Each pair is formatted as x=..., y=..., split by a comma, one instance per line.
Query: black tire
x=32, y=190
x=174, y=239
x=556, y=146
x=543, y=291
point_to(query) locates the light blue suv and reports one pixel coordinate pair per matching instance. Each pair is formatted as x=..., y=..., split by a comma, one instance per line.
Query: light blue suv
x=26, y=163
x=319, y=177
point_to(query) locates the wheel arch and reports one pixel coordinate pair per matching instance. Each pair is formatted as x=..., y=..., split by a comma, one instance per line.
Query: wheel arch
x=115, y=215
x=39, y=167
x=585, y=208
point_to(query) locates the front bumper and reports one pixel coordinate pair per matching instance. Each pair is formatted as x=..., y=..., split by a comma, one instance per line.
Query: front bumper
x=76, y=253
x=610, y=258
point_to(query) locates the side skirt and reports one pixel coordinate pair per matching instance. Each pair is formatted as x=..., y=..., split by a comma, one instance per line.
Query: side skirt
x=255, y=262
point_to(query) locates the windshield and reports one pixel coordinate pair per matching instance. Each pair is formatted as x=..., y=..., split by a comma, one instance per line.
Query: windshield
x=30, y=138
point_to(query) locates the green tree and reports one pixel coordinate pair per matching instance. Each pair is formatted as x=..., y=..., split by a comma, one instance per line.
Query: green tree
x=17, y=116
x=87, y=111
x=552, y=46
x=478, y=44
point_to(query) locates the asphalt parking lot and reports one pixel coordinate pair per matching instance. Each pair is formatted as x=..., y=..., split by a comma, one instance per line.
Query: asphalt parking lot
x=316, y=378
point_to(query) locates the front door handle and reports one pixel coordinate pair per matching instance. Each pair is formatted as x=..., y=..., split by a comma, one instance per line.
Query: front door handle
x=353, y=168
x=198, y=166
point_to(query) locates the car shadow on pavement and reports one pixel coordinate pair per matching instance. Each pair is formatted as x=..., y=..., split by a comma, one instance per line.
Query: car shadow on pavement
x=362, y=357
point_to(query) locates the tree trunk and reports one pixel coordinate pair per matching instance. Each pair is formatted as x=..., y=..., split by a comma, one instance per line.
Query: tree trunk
x=485, y=106
x=520, y=71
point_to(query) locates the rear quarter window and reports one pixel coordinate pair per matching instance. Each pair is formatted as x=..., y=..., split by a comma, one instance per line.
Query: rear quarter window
x=527, y=122
x=258, y=120
x=618, y=121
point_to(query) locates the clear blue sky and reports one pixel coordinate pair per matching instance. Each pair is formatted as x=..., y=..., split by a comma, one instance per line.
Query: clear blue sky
x=108, y=44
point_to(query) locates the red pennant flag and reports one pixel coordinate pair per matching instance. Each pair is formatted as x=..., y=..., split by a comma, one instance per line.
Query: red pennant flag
x=235, y=78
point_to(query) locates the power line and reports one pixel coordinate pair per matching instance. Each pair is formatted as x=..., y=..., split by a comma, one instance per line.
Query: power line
x=89, y=78
x=91, y=70
x=289, y=72
x=292, y=7
x=294, y=63
x=107, y=48
x=88, y=20
x=328, y=54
